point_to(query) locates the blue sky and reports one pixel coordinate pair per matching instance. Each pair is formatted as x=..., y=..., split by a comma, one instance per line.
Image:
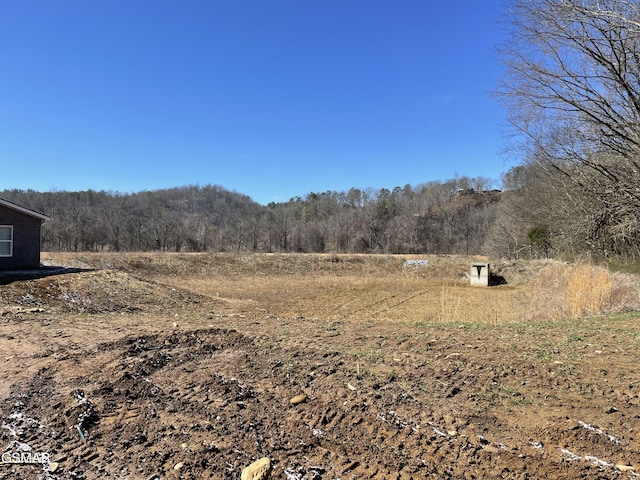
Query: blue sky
x=270, y=98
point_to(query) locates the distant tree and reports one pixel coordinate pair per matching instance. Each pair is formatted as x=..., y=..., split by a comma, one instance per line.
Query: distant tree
x=540, y=239
x=514, y=178
x=505, y=235
x=114, y=212
x=279, y=222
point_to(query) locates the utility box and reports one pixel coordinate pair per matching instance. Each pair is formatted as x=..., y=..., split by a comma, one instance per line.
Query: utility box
x=479, y=274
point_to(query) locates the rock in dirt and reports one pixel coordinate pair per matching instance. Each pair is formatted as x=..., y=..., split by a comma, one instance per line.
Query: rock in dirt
x=258, y=470
x=625, y=468
x=298, y=399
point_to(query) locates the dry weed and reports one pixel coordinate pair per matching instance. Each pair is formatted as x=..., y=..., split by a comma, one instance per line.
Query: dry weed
x=581, y=289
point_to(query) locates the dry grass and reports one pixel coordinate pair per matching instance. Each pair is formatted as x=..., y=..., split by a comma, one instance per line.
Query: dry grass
x=376, y=288
x=582, y=289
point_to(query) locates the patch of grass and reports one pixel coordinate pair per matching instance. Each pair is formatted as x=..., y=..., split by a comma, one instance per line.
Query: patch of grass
x=546, y=351
x=506, y=395
x=362, y=372
x=369, y=354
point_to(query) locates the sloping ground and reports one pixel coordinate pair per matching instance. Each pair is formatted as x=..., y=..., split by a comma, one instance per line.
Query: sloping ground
x=114, y=376
x=97, y=292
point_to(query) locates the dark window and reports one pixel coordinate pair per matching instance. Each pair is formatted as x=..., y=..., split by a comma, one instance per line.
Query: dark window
x=6, y=240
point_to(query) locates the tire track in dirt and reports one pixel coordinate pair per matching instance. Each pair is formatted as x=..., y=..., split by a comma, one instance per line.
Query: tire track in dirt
x=377, y=308
x=205, y=403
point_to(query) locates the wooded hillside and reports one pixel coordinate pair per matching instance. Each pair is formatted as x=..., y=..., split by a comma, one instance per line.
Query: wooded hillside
x=437, y=217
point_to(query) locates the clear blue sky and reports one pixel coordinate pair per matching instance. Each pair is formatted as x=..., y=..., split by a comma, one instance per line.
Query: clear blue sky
x=270, y=98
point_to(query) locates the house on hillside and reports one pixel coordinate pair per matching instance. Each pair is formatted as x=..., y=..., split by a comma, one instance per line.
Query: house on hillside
x=20, y=234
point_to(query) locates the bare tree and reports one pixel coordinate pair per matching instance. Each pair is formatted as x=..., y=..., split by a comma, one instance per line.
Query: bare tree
x=572, y=88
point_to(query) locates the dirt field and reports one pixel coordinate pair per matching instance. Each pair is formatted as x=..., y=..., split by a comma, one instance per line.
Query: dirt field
x=185, y=366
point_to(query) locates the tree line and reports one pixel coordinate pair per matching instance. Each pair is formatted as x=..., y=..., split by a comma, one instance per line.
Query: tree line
x=454, y=216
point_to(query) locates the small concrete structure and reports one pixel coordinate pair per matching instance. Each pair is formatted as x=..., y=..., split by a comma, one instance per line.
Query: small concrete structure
x=415, y=264
x=479, y=274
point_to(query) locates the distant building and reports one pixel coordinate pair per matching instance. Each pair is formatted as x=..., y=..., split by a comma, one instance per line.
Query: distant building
x=20, y=235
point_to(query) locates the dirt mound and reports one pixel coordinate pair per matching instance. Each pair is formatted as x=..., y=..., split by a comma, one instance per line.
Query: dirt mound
x=97, y=292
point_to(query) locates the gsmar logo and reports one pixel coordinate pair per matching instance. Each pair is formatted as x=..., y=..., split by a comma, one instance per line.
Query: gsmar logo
x=25, y=458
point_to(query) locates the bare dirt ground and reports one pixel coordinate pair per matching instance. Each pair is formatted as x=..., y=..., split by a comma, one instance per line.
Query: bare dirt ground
x=143, y=367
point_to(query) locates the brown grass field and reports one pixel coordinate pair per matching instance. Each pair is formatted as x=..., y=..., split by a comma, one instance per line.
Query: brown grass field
x=183, y=366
